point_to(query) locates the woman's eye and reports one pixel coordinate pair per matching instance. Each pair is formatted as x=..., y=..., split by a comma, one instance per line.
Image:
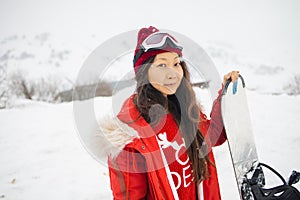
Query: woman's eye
x=161, y=65
x=177, y=64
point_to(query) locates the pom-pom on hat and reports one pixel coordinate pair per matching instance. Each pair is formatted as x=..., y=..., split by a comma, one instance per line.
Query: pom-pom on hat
x=163, y=42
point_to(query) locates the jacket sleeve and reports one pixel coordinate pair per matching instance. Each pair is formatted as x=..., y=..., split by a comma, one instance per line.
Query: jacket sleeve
x=213, y=129
x=128, y=177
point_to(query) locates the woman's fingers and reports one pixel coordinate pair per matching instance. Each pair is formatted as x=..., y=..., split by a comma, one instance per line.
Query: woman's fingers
x=234, y=75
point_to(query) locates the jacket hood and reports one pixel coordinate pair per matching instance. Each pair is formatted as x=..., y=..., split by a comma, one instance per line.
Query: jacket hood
x=118, y=131
x=115, y=135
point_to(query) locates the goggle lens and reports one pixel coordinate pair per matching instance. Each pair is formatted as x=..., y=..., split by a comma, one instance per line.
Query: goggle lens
x=157, y=38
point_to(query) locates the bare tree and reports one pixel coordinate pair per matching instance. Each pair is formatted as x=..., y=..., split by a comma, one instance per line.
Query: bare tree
x=293, y=88
x=3, y=88
x=18, y=86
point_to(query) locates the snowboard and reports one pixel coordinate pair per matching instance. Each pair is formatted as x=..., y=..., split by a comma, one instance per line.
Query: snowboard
x=237, y=123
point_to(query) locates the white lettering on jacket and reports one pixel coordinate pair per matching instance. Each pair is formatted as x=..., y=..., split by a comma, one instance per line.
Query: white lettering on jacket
x=185, y=176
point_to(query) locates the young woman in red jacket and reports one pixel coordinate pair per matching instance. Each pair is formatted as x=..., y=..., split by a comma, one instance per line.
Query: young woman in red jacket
x=160, y=140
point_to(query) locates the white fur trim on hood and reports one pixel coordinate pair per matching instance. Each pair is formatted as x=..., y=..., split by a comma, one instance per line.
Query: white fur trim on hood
x=116, y=135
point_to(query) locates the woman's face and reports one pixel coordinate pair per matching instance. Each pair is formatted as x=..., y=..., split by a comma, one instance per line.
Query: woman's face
x=165, y=73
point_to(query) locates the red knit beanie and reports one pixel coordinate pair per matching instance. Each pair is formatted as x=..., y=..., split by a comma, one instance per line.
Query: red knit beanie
x=142, y=35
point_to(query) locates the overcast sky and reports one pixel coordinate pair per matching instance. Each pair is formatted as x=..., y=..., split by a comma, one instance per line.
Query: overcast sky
x=256, y=27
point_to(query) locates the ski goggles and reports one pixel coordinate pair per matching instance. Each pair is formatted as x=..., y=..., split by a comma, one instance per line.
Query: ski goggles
x=159, y=40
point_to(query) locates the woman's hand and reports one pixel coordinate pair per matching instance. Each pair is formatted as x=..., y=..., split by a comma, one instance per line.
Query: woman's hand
x=234, y=75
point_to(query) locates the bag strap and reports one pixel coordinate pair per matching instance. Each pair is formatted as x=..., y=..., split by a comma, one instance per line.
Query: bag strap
x=273, y=170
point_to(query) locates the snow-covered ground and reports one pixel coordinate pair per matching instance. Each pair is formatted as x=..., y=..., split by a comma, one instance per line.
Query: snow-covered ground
x=41, y=156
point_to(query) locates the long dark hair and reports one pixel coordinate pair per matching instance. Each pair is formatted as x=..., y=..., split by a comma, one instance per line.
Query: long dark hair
x=152, y=105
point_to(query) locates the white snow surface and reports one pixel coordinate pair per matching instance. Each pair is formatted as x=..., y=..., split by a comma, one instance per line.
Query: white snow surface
x=41, y=156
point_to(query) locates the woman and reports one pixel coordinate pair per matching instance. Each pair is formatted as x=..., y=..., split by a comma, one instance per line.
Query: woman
x=160, y=140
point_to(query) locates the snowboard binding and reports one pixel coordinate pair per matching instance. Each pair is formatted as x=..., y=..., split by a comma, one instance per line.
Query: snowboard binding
x=258, y=178
x=253, y=188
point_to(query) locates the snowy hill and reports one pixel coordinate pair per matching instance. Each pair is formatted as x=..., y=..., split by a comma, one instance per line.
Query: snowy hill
x=43, y=57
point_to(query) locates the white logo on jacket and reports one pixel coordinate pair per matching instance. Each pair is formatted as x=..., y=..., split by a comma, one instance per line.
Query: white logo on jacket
x=165, y=143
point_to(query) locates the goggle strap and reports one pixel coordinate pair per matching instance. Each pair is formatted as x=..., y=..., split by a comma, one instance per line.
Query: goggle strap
x=137, y=55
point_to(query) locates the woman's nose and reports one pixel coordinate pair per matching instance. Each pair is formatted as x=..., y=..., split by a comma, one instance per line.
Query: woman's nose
x=171, y=73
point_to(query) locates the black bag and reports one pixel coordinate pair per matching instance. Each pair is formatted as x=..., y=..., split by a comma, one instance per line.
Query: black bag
x=252, y=189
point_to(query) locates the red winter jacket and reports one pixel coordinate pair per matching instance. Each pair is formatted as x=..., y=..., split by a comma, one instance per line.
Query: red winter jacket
x=136, y=166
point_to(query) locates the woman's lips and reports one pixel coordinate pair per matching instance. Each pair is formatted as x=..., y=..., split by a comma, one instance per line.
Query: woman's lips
x=170, y=84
